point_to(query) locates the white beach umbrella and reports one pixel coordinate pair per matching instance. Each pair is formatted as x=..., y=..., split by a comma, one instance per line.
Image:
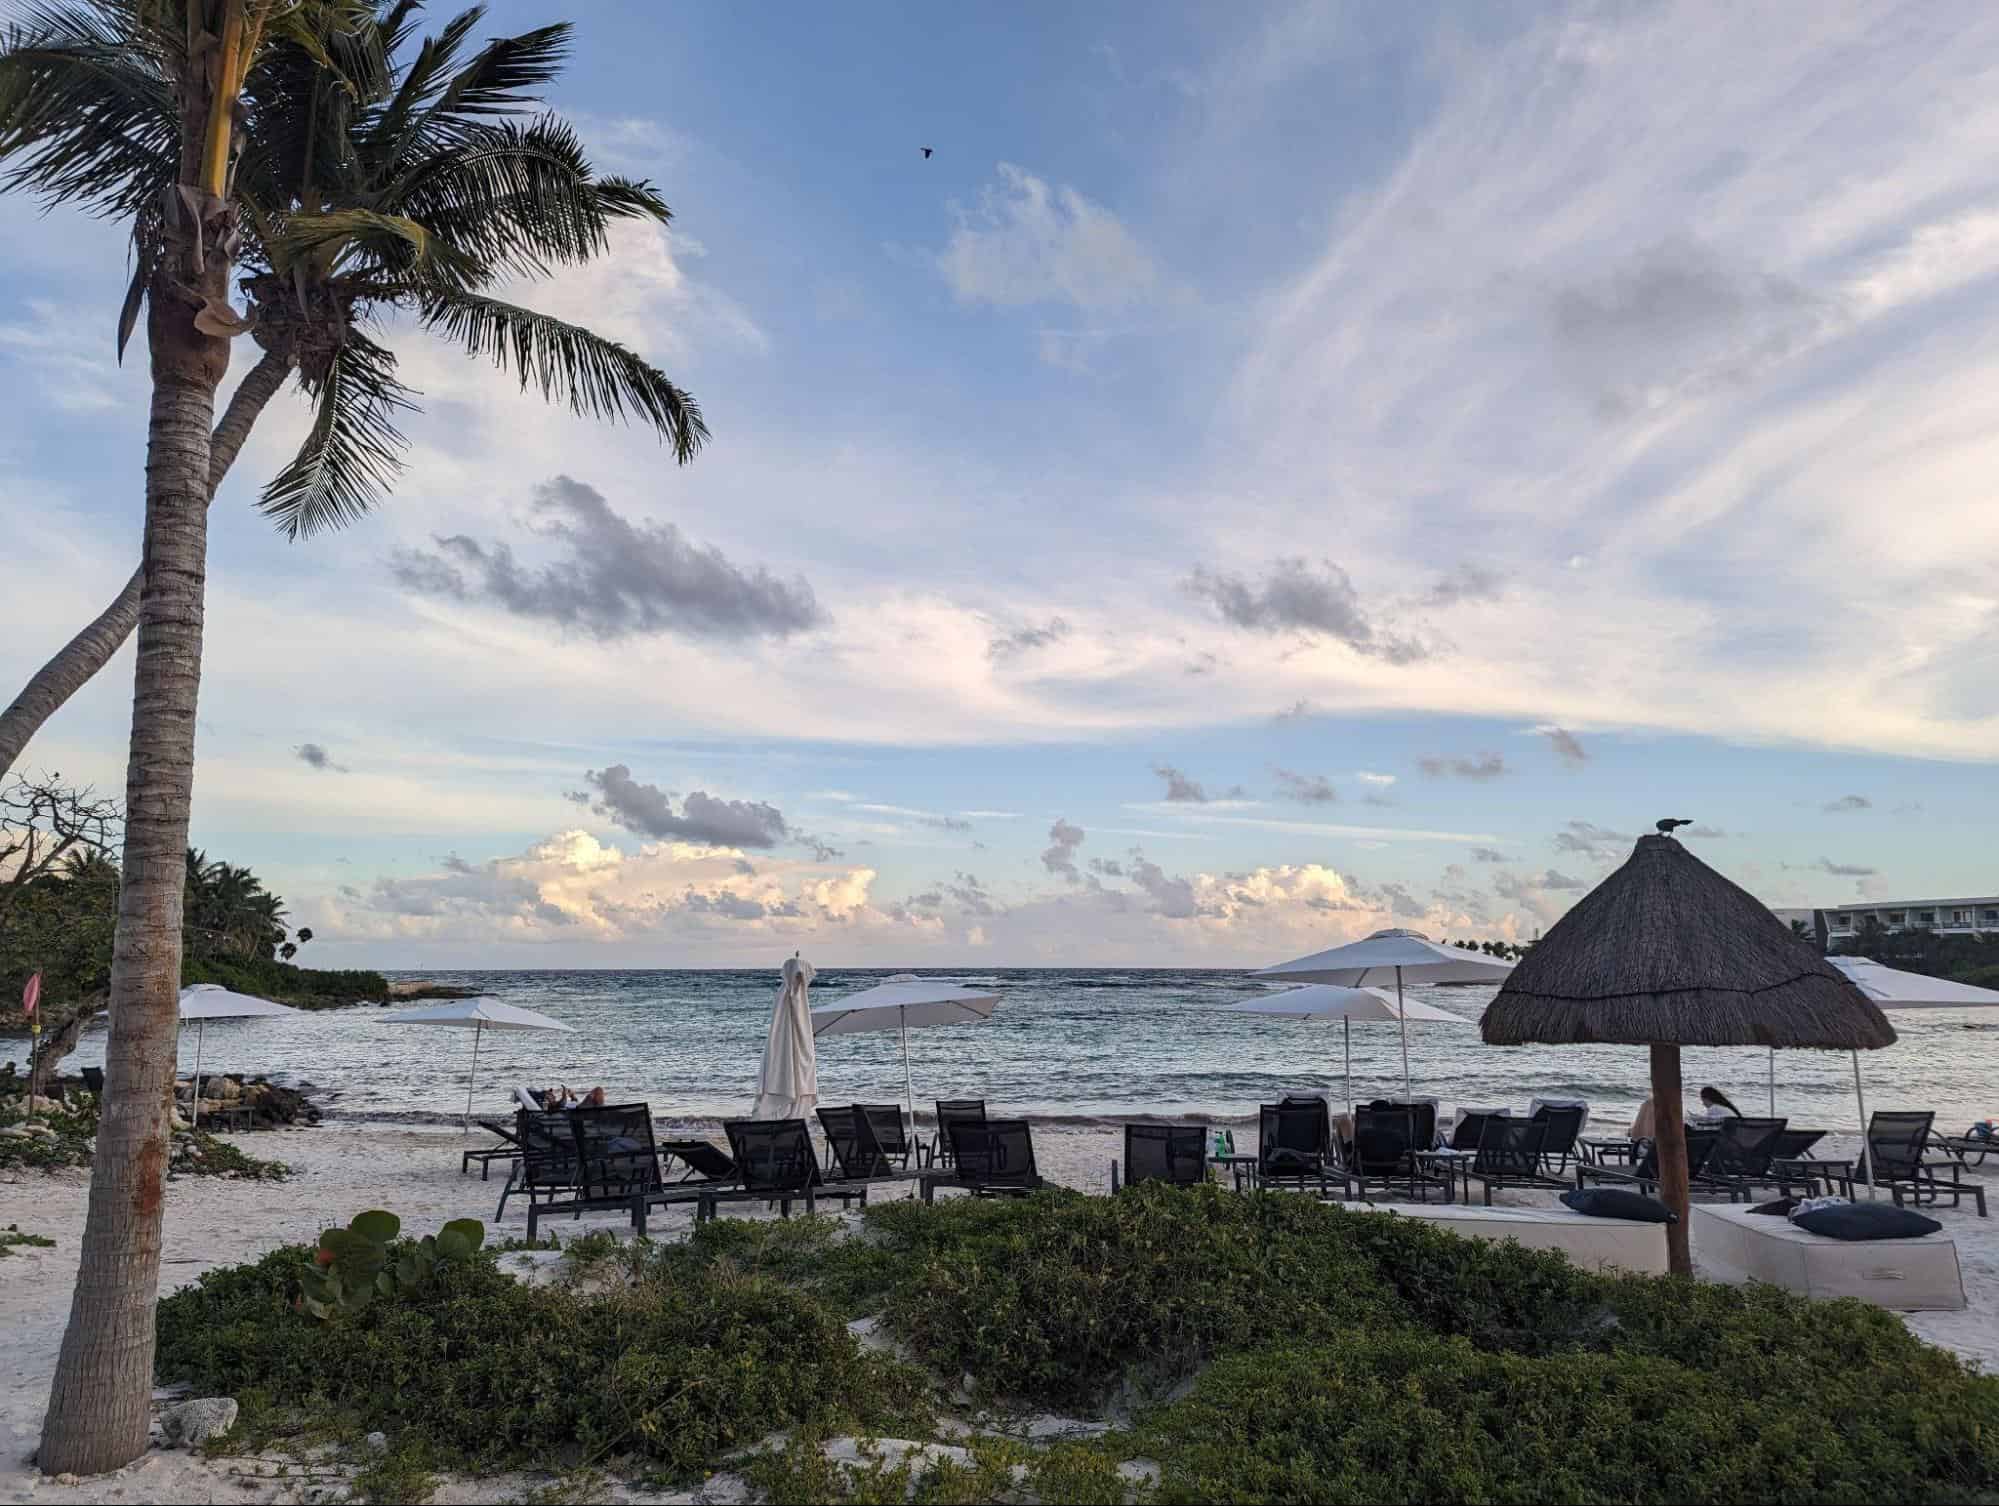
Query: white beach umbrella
x=1405, y=956
x=1892, y=988
x=202, y=1002
x=1326, y=1001
x=477, y=1015
x=905, y=1002
x=788, y=1081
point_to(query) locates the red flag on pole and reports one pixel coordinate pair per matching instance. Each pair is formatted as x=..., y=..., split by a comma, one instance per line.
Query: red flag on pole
x=32, y=994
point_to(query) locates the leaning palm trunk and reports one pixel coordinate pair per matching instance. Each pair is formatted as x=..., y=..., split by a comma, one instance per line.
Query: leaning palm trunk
x=79, y=660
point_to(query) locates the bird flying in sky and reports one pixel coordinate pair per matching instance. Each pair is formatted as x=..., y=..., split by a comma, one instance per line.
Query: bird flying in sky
x=926, y=154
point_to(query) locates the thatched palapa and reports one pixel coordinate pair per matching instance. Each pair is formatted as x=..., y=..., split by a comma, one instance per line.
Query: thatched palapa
x=1668, y=950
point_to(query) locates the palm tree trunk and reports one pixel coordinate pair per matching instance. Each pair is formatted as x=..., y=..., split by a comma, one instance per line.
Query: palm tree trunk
x=100, y=1405
x=83, y=656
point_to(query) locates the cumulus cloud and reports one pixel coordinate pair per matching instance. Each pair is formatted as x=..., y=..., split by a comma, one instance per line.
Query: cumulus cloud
x=1468, y=582
x=1487, y=855
x=615, y=578
x=1592, y=841
x=313, y=755
x=1027, y=242
x=648, y=810
x=1566, y=745
x=1306, y=789
x=1848, y=803
x=1482, y=767
x=1293, y=597
x=1064, y=838
x=1181, y=789
x=1025, y=639
x=1172, y=897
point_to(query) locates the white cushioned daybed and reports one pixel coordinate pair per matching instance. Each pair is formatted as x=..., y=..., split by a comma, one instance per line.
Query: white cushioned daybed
x=1908, y=1275
x=1596, y=1244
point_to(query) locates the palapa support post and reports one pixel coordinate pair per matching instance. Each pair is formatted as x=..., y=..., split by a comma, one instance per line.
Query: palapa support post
x=1669, y=1120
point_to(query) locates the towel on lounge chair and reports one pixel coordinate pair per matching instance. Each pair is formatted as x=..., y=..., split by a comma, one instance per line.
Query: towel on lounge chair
x=524, y=1098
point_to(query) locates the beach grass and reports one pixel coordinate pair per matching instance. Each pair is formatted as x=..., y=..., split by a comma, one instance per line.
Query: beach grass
x=1256, y=1348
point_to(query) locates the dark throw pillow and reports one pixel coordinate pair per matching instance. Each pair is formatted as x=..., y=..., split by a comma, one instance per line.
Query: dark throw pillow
x=1620, y=1202
x=1858, y=1221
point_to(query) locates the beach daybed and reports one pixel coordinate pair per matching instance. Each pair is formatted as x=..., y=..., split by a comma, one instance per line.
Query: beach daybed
x=1737, y=1244
x=1595, y=1244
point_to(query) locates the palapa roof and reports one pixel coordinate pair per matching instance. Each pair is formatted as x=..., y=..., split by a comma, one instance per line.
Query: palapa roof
x=1666, y=949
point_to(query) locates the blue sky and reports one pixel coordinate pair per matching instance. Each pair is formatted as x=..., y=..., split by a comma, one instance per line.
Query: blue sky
x=1428, y=446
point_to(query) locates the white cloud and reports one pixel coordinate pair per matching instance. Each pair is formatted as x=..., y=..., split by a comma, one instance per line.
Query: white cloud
x=1027, y=243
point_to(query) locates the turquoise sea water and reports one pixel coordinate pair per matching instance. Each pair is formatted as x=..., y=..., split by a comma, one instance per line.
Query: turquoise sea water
x=1067, y=1044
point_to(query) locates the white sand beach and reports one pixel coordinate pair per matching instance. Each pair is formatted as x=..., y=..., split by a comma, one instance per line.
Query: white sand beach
x=342, y=1169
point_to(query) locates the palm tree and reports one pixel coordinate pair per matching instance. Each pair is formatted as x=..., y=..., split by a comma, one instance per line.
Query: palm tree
x=373, y=177
x=349, y=176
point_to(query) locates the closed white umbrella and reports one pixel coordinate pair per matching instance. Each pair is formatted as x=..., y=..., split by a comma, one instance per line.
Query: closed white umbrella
x=1326, y=1001
x=202, y=1002
x=477, y=1015
x=1402, y=955
x=788, y=1081
x=905, y=1002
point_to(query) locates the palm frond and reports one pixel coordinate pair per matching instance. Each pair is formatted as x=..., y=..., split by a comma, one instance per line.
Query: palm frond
x=595, y=376
x=500, y=79
x=86, y=116
x=367, y=242
x=390, y=127
x=353, y=453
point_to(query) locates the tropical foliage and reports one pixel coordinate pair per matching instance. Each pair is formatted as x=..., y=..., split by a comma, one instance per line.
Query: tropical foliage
x=1257, y=1348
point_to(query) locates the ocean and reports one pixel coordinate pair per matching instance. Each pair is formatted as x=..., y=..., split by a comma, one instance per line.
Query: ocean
x=1079, y=1045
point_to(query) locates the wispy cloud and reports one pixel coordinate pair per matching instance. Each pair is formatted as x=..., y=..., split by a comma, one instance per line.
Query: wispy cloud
x=1027, y=242
x=315, y=756
x=1296, y=597
x=1567, y=746
x=1479, y=767
x=1846, y=804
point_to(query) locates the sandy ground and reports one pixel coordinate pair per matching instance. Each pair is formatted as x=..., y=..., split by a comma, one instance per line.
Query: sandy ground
x=342, y=1169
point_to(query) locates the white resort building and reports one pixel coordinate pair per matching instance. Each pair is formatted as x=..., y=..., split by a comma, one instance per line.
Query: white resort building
x=1948, y=917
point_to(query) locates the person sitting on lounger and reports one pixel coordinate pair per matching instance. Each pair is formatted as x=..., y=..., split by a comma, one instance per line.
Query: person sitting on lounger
x=1715, y=1105
x=1646, y=1122
x=594, y=1099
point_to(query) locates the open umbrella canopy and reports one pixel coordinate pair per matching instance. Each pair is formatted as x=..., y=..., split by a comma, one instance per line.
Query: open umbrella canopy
x=1893, y=988
x=905, y=1001
x=1325, y=1001
x=1380, y=957
x=484, y=1012
x=1668, y=950
x=211, y=1001
x=479, y=1014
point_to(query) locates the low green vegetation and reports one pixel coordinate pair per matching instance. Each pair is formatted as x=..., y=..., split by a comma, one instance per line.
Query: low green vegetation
x=65, y=1135
x=300, y=987
x=1255, y=1348
x=13, y=1237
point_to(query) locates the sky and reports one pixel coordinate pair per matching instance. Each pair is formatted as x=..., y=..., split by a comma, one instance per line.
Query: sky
x=1272, y=473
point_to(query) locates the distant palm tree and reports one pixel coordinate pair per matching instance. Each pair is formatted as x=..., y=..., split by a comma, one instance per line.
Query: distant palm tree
x=347, y=174
x=371, y=176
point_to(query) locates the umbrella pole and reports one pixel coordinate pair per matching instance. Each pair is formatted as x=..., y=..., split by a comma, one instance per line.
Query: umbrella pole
x=478, y=1029
x=1670, y=1150
x=1346, y=1030
x=908, y=1082
x=1866, y=1145
x=1408, y=1093
x=194, y=1101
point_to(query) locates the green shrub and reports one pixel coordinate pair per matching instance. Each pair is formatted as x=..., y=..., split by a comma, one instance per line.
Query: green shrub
x=1057, y=1296
x=499, y=1374
x=1411, y=1416
x=300, y=987
x=14, y=1235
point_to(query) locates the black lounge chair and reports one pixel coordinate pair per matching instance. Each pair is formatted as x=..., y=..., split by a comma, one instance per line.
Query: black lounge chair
x=1470, y=1127
x=509, y=1149
x=952, y=1111
x=856, y=1145
x=1744, y=1160
x=546, y=1172
x=1175, y=1153
x=1388, y=1139
x=1294, y=1149
x=1565, y=1123
x=894, y=1136
x=1794, y=1157
x=703, y=1160
x=775, y=1164
x=615, y=1167
x=93, y=1079
x=992, y=1158
x=1898, y=1147
x=1643, y=1172
x=1511, y=1153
